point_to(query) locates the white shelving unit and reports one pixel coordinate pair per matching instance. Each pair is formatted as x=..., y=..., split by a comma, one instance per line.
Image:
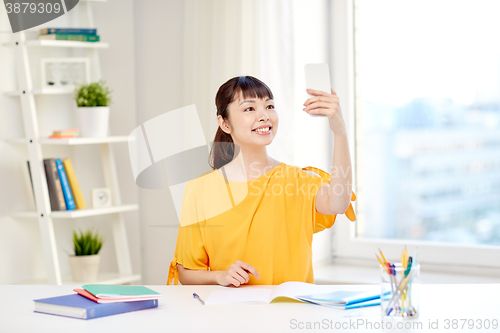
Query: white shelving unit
x=44, y=215
x=62, y=43
x=72, y=141
x=70, y=214
x=42, y=92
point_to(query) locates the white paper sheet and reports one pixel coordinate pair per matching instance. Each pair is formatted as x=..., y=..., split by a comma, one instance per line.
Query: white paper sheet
x=245, y=294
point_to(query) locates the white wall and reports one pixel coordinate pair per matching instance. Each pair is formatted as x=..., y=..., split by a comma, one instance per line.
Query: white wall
x=21, y=259
x=159, y=81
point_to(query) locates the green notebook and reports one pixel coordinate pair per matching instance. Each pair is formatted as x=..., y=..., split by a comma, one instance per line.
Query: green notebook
x=110, y=290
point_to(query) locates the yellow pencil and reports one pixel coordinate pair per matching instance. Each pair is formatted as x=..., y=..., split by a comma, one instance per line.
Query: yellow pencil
x=403, y=299
x=403, y=262
x=385, y=266
x=406, y=257
x=385, y=261
x=380, y=260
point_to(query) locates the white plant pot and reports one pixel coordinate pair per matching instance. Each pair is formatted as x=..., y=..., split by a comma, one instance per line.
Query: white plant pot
x=93, y=121
x=84, y=268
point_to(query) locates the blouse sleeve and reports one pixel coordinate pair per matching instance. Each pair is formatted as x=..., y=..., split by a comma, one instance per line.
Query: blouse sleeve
x=322, y=221
x=190, y=250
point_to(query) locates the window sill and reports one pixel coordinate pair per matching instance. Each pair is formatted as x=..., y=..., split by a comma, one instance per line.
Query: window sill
x=365, y=272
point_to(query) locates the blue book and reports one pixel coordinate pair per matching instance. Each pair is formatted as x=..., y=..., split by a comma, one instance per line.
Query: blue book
x=68, y=195
x=77, y=306
x=78, y=31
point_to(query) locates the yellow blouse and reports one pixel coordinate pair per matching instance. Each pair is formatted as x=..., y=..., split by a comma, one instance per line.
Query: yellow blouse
x=267, y=222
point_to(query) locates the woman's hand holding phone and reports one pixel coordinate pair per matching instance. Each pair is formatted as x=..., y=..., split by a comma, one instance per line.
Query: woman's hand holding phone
x=326, y=104
x=237, y=274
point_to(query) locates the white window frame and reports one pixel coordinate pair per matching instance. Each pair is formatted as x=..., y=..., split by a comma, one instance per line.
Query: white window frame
x=345, y=245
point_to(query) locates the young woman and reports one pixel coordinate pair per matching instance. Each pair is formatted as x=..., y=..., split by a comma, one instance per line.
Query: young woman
x=251, y=219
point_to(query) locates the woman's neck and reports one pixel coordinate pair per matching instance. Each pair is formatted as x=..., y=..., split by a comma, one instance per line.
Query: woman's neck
x=250, y=165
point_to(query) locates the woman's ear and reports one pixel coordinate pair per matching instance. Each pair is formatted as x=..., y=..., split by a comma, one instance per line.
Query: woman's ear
x=223, y=124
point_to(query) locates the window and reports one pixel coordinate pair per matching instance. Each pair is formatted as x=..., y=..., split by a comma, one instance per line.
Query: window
x=427, y=128
x=428, y=121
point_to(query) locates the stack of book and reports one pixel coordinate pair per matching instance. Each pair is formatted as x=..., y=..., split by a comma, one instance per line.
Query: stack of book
x=64, y=190
x=64, y=133
x=99, y=300
x=73, y=34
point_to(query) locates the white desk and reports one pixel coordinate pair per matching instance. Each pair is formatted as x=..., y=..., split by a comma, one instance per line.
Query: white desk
x=178, y=311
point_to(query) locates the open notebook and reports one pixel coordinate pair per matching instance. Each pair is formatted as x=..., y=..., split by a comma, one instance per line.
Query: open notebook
x=346, y=299
x=300, y=291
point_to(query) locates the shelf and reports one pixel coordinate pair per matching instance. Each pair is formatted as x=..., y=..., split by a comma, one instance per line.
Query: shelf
x=102, y=278
x=34, y=140
x=73, y=141
x=62, y=43
x=70, y=214
x=52, y=91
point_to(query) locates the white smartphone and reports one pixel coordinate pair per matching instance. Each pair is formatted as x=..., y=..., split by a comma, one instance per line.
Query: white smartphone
x=317, y=78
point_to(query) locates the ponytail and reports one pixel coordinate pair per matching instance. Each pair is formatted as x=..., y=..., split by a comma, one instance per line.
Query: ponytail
x=222, y=151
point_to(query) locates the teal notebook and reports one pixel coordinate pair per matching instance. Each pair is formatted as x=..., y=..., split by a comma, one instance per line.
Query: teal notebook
x=109, y=290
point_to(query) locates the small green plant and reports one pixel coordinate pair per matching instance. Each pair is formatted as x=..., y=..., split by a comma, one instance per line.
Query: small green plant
x=87, y=243
x=93, y=94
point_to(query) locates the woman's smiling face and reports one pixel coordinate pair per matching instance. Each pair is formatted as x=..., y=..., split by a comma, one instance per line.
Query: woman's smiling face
x=252, y=121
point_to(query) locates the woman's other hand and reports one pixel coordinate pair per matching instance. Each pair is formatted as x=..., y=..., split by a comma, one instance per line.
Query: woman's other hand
x=237, y=274
x=326, y=105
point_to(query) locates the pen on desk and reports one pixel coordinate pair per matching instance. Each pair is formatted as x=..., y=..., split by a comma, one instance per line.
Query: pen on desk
x=195, y=295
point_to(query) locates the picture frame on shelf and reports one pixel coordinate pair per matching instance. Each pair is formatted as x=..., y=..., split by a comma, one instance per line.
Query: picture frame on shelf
x=64, y=73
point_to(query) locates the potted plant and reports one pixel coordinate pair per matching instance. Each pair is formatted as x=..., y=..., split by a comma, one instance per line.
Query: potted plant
x=85, y=263
x=93, y=101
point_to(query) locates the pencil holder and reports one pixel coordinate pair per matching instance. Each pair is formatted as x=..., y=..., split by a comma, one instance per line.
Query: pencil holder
x=399, y=291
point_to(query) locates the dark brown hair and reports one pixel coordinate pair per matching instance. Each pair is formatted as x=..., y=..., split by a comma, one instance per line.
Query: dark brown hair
x=222, y=151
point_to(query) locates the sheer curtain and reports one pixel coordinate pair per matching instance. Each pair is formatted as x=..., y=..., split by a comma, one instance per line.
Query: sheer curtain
x=271, y=40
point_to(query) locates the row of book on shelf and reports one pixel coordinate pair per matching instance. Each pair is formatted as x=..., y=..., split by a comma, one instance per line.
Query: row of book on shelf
x=73, y=34
x=64, y=190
